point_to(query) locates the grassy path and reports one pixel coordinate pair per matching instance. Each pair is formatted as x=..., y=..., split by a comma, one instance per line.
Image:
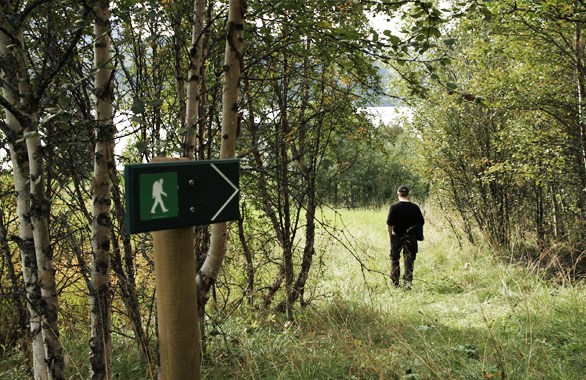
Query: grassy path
x=469, y=316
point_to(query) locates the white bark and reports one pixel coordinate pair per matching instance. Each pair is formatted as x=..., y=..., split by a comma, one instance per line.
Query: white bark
x=39, y=214
x=100, y=342
x=194, y=78
x=27, y=251
x=32, y=209
x=580, y=73
x=232, y=71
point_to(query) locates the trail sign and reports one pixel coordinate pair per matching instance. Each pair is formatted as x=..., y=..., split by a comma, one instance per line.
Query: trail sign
x=169, y=195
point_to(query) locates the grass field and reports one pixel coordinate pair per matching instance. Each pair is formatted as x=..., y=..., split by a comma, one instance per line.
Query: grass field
x=470, y=315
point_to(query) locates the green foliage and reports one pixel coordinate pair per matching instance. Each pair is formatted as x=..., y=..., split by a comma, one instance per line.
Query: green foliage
x=500, y=128
x=366, y=166
x=505, y=139
x=497, y=320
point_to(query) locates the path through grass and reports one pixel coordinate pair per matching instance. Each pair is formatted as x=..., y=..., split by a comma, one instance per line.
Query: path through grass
x=469, y=316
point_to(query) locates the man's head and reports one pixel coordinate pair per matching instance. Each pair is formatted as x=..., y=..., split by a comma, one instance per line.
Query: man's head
x=403, y=191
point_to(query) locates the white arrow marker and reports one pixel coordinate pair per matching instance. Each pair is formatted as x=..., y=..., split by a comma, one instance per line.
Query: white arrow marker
x=229, y=199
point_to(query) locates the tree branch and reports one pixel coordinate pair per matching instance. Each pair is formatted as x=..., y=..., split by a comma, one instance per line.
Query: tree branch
x=22, y=117
x=65, y=57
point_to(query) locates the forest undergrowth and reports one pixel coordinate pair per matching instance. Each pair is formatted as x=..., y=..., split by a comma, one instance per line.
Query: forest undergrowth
x=470, y=315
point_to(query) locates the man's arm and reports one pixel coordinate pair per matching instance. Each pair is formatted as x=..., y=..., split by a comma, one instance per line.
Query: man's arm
x=390, y=228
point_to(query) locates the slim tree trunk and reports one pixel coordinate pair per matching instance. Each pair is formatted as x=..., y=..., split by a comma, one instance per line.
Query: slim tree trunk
x=204, y=126
x=283, y=189
x=32, y=205
x=305, y=153
x=265, y=196
x=177, y=46
x=286, y=221
x=39, y=214
x=580, y=74
x=248, y=256
x=20, y=168
x=29, y=263
x=100, y=342
x=194, y=79
x=230, y=123
x=258, y=160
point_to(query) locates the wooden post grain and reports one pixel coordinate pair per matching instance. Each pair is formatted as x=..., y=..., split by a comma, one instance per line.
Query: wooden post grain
x=176, y=293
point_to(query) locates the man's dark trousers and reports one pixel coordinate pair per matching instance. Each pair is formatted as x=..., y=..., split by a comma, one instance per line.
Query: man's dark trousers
x=408, y=245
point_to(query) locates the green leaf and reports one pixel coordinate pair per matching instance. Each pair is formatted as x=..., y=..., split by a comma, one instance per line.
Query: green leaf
x=445, y=61
x=156, y=102
x=141, y=146
x=434, y=32
x=137, y=106
x=486, y=13
x=138, y=120
x=449, y=41
x=452, y=85
x=394, y=40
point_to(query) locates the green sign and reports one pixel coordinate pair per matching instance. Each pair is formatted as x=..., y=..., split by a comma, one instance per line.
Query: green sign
x=168, y=195
x=159, y=196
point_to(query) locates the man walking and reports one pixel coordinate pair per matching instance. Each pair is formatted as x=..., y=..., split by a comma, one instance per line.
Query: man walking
x=403, y=222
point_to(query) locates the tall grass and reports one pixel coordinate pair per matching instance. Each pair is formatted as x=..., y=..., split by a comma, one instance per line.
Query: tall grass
x=469, y=316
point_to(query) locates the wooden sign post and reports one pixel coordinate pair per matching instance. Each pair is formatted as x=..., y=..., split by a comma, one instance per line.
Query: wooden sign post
x=176, y=292
x=169, y=196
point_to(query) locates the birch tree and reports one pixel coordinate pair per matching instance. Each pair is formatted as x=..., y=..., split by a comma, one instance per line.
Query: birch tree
x=230, y=123
x=39, y=214
x=302, y=106
x=19, y=157
x=104, y=165
x=194, y=79
x=22, y=96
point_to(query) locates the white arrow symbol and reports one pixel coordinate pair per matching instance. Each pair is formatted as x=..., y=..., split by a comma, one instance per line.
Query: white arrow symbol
x=229, y=199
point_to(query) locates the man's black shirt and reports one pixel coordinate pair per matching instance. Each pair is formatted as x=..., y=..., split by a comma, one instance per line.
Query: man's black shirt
x=404, y=215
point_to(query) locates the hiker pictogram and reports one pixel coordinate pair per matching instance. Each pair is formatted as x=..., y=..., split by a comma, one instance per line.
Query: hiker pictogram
x=158, y=193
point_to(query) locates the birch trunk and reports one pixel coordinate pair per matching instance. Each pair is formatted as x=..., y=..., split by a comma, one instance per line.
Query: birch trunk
x=39, y=212
x=27, y=253
x=194, y=79
x=32, y=206
x=100, y=342
x=580, y=74
x=39, y=215
x=19, y=158
x=283, y=192
x=230, y=120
